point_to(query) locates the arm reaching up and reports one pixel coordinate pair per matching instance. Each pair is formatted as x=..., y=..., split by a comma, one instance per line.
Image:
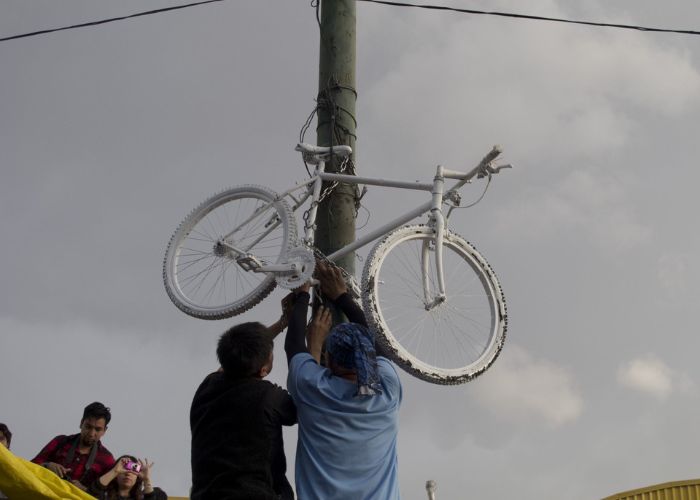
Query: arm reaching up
x=294, y=342
x=333, y=286
x=318, y=331
x=279, y=325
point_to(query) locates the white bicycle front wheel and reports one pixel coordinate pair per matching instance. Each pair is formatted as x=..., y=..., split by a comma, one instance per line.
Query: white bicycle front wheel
x=448, y=343
x=203, y=278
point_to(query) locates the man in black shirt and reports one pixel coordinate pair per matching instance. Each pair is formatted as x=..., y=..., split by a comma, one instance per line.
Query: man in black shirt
x=236, y=420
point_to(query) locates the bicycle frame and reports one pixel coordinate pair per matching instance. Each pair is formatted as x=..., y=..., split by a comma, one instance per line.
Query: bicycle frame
x=434, y=207
x=313, y=190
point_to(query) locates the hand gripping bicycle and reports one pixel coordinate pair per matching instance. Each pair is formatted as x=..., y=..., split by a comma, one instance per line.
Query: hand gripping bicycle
x=433, y=300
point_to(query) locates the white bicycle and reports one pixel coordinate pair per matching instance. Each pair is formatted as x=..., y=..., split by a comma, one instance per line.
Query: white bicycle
x=432, y=299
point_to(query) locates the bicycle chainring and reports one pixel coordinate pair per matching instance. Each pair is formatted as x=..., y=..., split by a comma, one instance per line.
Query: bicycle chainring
x=305, y=260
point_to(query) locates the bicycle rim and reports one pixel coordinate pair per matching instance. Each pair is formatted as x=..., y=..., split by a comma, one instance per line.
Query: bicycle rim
x=451, y=342
x=207, y=283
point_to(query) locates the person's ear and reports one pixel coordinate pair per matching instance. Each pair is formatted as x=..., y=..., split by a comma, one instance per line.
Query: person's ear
x=266, y=368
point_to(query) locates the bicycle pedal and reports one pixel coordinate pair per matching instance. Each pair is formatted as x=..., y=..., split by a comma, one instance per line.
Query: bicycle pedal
x=248, y=262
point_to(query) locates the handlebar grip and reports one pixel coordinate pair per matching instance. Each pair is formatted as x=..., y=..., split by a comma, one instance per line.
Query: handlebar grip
x=491, y=155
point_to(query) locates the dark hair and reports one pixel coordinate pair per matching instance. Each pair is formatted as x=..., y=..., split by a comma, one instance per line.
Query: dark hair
x=6, y=432
x=97, y=410
x=112, y=489
x=244, y=349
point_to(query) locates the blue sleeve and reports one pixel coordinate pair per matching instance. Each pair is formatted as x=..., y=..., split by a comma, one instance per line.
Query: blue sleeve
x=390, y=378
x=303, y=373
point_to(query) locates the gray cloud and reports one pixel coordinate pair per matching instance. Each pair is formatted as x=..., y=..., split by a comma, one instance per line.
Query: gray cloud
x=111, y=134
x=524, y=389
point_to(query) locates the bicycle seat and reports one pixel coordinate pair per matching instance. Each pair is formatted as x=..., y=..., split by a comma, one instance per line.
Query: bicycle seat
x=323, y=151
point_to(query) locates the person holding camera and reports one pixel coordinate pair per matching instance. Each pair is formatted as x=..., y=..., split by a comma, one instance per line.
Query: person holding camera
x=130, y=479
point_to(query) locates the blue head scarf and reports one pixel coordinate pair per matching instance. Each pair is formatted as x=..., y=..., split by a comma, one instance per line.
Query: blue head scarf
x=352, y=346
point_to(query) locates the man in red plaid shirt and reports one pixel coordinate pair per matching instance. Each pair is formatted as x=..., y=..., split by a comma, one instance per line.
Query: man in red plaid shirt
x=80, y=458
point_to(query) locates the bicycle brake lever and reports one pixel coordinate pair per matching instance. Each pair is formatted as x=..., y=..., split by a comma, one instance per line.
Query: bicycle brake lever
x=497, y=169
x=488, y=170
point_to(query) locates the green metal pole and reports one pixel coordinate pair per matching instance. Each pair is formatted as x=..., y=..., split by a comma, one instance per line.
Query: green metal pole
x=337, y=123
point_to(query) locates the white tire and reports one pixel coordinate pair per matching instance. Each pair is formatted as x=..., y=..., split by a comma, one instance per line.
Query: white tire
x=452, y=342
x=207, y=283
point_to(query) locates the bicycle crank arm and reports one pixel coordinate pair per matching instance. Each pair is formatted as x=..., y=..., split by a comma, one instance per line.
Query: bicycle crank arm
x=281, y=269
x=249, y=262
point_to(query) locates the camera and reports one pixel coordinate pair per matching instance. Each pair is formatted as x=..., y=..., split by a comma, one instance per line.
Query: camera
x=132, y=466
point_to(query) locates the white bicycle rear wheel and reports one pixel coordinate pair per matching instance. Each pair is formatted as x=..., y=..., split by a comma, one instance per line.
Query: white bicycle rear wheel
x=205, y=281
x=452, y=342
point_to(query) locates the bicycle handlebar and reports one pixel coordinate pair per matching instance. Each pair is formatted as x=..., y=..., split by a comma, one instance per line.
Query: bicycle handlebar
x=490, y=156
x=483, y=168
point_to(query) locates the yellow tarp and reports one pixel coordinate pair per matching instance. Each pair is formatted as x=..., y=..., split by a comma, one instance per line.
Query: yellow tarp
x=24, y=480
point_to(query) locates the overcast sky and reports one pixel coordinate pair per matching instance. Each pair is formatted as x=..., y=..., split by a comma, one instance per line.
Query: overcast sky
x=110, y=135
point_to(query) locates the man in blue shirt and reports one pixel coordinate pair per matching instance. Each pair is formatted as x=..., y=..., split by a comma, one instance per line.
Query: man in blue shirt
x=348, y=410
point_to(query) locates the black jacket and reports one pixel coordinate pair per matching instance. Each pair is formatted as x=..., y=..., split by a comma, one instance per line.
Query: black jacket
x=237, y=448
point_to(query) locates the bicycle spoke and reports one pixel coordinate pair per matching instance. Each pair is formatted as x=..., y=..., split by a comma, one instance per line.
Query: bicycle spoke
x=191, y=263
x=203, y=235
x=450, y=334
x=206, y=272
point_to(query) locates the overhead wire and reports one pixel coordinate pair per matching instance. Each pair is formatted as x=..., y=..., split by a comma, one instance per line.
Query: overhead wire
x=532, y=18
x=315, y=4
x=110, y=20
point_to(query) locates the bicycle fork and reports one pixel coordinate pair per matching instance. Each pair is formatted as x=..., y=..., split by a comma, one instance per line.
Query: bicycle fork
x=437, y=221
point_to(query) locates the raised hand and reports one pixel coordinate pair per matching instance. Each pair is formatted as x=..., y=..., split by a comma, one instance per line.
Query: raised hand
x=146, y=474
x=303, y=288
x=332, y=282
x=282, y=323
x=318, y=331
x=120, y=466
x=287, y=306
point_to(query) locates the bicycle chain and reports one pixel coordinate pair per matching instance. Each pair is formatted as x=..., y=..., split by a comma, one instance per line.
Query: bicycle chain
x=349, y=279
x=346, y=165
x=329, y=189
